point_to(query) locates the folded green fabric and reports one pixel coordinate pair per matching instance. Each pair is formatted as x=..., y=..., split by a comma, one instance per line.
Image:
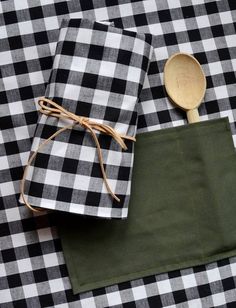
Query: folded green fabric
x=182, y=210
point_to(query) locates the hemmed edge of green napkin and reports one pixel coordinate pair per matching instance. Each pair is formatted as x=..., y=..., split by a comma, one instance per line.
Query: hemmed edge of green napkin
x=153, y=271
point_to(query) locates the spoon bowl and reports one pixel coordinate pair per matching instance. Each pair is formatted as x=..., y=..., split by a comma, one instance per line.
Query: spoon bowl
x=185, y=83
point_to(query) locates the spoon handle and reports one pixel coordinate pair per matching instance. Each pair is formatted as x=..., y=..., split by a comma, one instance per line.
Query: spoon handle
x=193, y=116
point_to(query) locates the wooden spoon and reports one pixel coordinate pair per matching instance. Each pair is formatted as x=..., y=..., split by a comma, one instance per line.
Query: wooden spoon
x=185, y=83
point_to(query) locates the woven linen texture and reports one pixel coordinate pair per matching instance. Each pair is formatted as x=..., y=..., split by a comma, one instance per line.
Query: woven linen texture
x=32, y=267
x=98, y=73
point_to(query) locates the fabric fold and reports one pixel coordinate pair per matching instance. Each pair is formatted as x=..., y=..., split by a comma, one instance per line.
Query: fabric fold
x=98, y=73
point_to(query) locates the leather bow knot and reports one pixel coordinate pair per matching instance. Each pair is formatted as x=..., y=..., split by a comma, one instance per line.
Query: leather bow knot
x=50, y=108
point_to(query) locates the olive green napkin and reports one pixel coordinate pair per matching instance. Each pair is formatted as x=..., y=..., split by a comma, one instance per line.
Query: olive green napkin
x=182, y=210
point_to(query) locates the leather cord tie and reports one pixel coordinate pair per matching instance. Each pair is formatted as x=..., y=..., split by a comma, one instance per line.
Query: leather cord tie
x=50, y=108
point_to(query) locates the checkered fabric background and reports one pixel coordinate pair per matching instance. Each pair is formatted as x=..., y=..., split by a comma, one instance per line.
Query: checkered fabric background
x=32, y=268
x=98, y=73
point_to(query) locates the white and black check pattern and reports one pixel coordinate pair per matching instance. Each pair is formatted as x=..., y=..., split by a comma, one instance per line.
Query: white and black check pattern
x=98, y=73
x=32, y=268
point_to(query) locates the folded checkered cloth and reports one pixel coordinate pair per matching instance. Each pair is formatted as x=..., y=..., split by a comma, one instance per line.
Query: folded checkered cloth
x=98, y=73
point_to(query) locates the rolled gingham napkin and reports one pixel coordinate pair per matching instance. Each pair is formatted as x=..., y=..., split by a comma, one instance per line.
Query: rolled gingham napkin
x=98, y=73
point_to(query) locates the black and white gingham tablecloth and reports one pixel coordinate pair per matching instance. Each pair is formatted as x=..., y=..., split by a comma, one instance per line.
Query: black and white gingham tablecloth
x=32, y=268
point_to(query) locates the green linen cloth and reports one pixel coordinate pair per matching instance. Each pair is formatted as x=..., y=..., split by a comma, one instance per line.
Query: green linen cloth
x=182, y=210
